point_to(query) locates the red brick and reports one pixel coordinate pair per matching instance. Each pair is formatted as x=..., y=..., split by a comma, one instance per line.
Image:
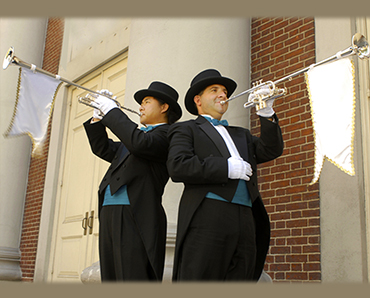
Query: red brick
x=297, y=276
x=296, y=258
x=311, y=231
x=280, y=259
x=280, y=267
x=297, y=241
x=280, y=225
x=314, y=276
x=312, y=267
x=279, y=276
x=297, y=223
x=296, y=267
x=314, y=240
x=296, y=206
x=311, y=248
x=314, y=258
x=280, y=233
x=280, y=215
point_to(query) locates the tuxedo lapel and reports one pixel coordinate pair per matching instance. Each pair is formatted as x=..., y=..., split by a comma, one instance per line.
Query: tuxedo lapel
x=213, y=135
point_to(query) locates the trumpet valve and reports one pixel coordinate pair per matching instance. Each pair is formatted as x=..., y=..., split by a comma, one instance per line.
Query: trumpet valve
x=260, y=105
x=87, y=100
x=257, y=83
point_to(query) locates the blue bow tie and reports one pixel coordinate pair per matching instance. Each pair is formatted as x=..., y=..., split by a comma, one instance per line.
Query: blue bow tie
x=147, y=128
x=217, y=122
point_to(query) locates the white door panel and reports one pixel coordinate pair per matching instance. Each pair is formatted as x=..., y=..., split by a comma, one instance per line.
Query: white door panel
x=75, y=244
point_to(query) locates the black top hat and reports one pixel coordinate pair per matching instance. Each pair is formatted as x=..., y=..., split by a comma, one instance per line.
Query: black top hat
x=163, y=92
x=201, y=81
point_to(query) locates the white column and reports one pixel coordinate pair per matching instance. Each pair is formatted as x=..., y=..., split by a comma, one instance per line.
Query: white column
x=27, y=36
x=174, y=51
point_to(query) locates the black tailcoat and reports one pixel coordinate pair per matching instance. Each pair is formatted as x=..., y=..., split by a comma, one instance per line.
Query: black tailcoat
x=138, y=161
x=198, y=158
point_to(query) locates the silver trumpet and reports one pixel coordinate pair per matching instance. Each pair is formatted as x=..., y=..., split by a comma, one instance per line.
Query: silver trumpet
x=11, y=59
x=89, y=100
x=359, y=47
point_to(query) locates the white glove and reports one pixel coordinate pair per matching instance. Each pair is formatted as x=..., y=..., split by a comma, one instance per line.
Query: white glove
x=97, y=114
x=263, y=91
x=239, y=169
x=107, y=93
x=103, y=103
x=268, y=111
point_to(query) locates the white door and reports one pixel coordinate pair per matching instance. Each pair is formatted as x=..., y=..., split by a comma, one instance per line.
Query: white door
x=75, y=234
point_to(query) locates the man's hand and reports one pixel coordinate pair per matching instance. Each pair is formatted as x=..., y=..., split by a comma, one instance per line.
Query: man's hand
x=263, y=91
x=103, y=103
x=97, y=116
x=268, y=111
x=239, y=169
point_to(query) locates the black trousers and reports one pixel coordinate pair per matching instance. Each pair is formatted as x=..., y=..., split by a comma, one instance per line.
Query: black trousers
x=220, y=244
x=121, y=250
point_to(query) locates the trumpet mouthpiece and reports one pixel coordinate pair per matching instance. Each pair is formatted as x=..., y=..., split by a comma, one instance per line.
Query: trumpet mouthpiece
x=8, y=59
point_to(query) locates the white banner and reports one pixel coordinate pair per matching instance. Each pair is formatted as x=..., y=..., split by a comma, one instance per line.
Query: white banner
x=34, y=103
x=331, y=90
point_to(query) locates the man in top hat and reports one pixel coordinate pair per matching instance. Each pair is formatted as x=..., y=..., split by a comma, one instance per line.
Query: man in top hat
x=223, y=228
x=132, y=231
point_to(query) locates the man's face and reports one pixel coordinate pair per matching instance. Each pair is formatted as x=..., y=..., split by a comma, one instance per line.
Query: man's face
x=209, y=102
x=152, y=111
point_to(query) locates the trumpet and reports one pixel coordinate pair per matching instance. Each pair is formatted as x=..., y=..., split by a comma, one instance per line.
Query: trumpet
x=89, y=100
x=359, y=47
x=11, y=59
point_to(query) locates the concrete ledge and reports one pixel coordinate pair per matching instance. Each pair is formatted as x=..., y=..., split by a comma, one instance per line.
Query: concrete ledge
x=10, y=269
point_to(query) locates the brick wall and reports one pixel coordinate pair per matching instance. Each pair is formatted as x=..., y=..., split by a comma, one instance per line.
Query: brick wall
x=36, y=176
x=281, y=46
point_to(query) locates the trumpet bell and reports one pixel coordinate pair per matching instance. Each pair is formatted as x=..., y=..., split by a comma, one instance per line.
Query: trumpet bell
x=9, y=56
x=361, y=46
